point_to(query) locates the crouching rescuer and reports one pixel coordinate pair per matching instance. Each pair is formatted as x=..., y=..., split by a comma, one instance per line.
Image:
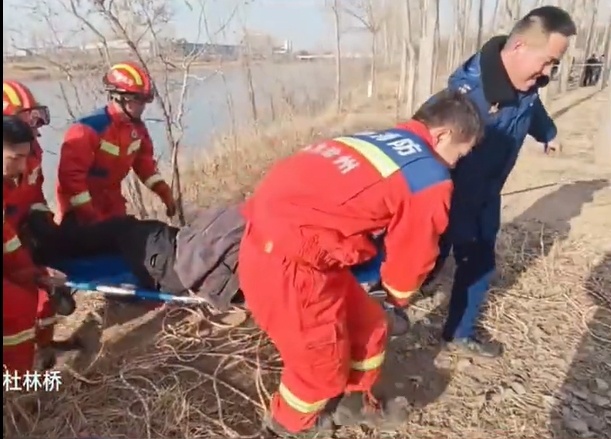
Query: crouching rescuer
x=99, y=150
x=29, y=296
x=312, y=218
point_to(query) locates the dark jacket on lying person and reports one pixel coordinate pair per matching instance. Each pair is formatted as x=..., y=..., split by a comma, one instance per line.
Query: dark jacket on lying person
x=201, y=257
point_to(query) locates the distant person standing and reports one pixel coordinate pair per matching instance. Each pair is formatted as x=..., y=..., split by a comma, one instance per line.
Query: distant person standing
x=598, y=69
x=589, y=74
x=503, y=80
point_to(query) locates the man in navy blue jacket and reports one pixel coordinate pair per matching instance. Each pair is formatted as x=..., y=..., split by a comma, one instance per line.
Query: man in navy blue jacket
x=503, y=80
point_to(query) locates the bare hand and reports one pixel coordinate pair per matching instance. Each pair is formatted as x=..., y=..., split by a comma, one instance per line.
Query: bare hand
x=170, y=210
x=553, y=148
x=53, y=278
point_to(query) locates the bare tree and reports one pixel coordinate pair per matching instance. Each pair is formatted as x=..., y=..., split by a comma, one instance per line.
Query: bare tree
x=369, y=16
x=426, y=50
x=135, y=29
x=336, y=8
x=602, y=145
x=480, y=24
x=606, y=72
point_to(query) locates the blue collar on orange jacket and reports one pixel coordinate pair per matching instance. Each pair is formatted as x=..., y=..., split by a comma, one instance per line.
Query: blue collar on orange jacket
x=419, y=129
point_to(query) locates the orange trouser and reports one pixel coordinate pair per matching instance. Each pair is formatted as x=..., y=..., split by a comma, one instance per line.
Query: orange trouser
x=27, y=320
x=18, y=326
x=46, y=319
x=330, y=334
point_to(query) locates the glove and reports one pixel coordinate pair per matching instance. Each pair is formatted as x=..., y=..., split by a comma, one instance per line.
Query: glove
x=164, y=192
x=86, y=214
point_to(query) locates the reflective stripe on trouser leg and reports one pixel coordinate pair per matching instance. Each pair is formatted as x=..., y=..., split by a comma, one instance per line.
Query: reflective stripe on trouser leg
x=18, y=350
x=46, y=319
x=18, y=326
x=304, y=304
x=296, y=412
x=368, y=333
x=19, y=357
x=299, y=404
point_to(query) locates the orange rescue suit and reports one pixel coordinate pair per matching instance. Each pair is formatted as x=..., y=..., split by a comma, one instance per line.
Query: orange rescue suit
x=27, y=195
x=27, y=315
x=311, y=219
x=98, y=152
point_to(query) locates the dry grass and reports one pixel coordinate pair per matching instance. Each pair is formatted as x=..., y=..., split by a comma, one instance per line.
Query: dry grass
x=176, y=373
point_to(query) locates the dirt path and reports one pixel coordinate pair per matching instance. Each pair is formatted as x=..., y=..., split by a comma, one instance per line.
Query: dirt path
x=161, y=376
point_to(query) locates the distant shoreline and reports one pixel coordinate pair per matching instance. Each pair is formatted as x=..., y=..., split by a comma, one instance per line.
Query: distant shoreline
x=24, y=71
x=33, y=71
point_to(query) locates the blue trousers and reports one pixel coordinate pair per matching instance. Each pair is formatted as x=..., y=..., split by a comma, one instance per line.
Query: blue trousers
x=475, y=264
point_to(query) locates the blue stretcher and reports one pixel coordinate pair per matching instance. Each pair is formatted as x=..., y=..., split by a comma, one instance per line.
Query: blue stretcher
x=110, y=275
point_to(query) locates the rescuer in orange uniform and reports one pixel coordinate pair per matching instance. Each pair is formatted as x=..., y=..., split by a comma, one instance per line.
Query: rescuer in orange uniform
x=310, y=220
x=99, y=150
x=28, y=315
x=26, y=206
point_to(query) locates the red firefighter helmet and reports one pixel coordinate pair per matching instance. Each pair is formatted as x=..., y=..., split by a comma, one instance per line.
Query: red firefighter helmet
x=129, y=79
x=18, y=99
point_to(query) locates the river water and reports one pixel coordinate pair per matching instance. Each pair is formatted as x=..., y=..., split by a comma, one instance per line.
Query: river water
x=212, y=99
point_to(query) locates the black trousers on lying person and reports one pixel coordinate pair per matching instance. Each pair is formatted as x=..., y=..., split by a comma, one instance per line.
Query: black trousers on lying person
x=147, y=246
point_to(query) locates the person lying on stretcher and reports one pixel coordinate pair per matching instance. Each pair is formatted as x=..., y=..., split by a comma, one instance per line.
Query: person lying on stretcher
x=200, y=257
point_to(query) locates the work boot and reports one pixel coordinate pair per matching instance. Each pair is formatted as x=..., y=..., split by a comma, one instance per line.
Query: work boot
x=471, y=346
x=63, y=300
x=359, y=408
x=398, y=321
x=45, y=358
x=323, y=429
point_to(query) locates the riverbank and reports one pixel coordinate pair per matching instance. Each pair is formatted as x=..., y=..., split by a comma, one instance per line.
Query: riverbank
x=44, y=71
x=169, y=373
x=41, y=71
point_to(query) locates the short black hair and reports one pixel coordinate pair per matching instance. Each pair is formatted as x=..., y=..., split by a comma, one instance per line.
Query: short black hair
x=452, y=108
x=552, y=19
x=15, y=131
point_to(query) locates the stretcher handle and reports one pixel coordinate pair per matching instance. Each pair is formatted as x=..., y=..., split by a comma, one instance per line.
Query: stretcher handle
x=111, y=290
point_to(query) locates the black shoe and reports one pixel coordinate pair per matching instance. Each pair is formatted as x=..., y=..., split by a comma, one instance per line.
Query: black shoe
x=323, y=429
x=398, y=321
x=473, y=347
x=63, y=300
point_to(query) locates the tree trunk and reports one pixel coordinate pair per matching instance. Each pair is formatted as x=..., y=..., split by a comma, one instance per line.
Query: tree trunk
x=480, y=25
x=566, y=65
x=372, y=71
x=338, y=57
x=606, y=72
x=591, y=28
x=426, y=51
x=602, y=145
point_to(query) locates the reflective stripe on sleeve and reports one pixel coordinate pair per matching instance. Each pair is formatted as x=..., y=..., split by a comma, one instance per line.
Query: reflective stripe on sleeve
x=80, y=199
x=403, y=295
x=153, y=180
x=11, y=245
x=134, y=146
x=40, y=207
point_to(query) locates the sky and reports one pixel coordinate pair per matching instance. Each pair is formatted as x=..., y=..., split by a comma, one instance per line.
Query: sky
x=306, y=23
